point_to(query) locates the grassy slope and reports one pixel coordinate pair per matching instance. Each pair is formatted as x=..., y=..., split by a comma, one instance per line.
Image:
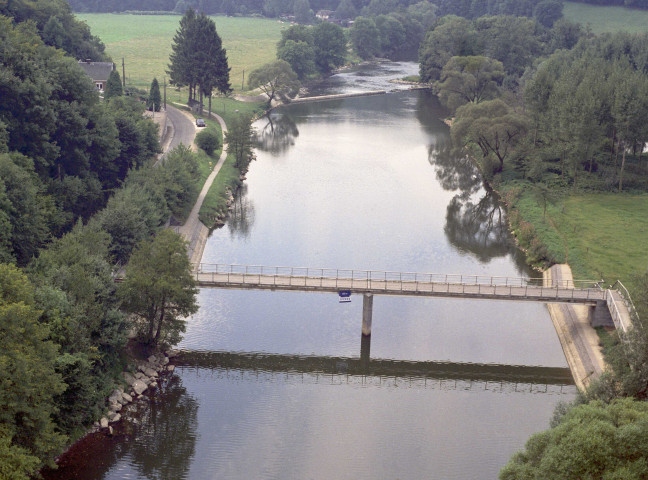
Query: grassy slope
x=607, y=19
x=601, y=235
x=144, y=41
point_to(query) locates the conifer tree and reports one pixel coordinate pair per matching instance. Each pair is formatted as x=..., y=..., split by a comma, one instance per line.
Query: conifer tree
x=155, y=99
x=113, y=85
x=198, y=59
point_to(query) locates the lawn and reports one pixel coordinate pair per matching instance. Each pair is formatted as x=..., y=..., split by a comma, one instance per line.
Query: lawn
x=603, y=19
x=601, y=235
x=144, y=41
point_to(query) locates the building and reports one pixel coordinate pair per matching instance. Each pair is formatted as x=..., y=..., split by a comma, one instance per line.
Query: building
x=98, y=72
x=324, y=14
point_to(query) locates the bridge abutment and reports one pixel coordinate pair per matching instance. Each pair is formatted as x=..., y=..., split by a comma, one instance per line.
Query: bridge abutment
x=367, y=313
x=599, y=315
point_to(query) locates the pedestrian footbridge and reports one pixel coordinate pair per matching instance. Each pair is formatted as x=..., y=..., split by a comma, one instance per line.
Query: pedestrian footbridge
x=607, y=305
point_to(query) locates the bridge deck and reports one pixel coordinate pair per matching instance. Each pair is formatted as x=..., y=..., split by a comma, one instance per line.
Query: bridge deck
x=393, y=283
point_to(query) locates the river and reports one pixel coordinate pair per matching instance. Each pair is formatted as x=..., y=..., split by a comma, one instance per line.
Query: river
x=269, y=387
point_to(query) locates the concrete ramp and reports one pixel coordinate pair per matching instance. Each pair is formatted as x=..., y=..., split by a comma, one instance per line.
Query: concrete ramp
x=578, y=338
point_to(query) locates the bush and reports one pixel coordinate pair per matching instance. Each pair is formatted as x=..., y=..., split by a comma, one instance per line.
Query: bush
x=208, y=141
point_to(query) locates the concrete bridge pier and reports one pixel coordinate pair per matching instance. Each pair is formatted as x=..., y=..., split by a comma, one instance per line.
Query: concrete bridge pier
x=365, y=350
x=367, y=313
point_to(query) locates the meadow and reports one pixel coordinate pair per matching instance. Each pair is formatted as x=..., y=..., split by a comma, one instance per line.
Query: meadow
x=144, y=42
x=602, y=19
x=601, y=235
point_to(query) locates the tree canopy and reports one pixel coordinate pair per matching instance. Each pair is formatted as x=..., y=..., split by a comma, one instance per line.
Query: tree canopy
x=159, y=289
x=198, y=59
x=275, y=79
x=591, y=441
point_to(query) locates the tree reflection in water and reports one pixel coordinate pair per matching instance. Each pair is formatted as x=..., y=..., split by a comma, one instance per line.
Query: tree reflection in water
x=278, y=134
x=241, y=215
x=475, y=219
x=166, y=441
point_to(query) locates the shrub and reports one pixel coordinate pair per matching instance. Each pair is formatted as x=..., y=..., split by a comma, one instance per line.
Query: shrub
x=208, y=141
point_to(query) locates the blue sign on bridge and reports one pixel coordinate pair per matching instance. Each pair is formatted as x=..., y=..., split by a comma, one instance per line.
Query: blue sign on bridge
x=345, y=296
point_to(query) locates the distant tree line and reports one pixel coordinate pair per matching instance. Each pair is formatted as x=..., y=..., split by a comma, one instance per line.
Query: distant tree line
x=304, y=10
x=643, y=4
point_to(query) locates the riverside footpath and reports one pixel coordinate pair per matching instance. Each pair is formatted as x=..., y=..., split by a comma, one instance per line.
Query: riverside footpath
x=194, y=231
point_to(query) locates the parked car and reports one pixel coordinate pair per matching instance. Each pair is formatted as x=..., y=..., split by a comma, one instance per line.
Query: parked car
x=200, y=122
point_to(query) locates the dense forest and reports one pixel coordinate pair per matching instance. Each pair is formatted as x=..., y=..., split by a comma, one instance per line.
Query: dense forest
x=78, y=195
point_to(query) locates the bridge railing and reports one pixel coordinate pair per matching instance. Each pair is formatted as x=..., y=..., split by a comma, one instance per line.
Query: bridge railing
x=385, y=278
x=614, y=307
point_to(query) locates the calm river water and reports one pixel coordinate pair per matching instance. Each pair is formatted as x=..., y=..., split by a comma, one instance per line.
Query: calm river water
x=270, y=386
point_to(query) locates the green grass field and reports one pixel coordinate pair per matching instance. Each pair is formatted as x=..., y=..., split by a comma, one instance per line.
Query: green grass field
x=607, y=19
x=144, y=41
x=601, y=235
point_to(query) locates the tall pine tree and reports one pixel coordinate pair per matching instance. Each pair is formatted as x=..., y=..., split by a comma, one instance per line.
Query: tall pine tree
x=198, y=59
x=155, y=99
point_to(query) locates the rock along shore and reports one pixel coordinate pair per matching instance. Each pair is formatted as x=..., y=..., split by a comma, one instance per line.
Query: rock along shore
x=143, y=375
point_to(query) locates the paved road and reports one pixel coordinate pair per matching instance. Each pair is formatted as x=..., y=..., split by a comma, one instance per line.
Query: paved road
x=183, y=125
x=183, y=130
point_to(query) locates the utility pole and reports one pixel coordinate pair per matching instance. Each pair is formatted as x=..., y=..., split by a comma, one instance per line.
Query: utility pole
x=165, y=93
x=123, y=74
x=243, y=82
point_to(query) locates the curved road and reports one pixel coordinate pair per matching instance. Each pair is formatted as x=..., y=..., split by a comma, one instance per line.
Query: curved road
x=183, y=130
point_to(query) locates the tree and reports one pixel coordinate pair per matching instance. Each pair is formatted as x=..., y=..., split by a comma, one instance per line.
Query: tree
x=469, y=80
x=345, y=9
x=159, y=289
x=198, y=58
x=155, y=99
x=25, y=207
x=514, y=41
x=543, y=194
x=594, y=440
x=211, y=60
x=296, y=33
x=453, y=36
x=424, y=12
x=629, y=108
x=302, y=11
x=181, y=69
x=491, y=125
x=239, y=141
x=392, y=35
x=300, y=56
x=28, y=382
x=365, y=37
x=276, y=79
x=547, y=12
x=113, y=85
x=329, y=45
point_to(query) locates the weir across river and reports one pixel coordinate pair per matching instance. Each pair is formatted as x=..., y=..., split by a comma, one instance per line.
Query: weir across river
x=607, y=306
